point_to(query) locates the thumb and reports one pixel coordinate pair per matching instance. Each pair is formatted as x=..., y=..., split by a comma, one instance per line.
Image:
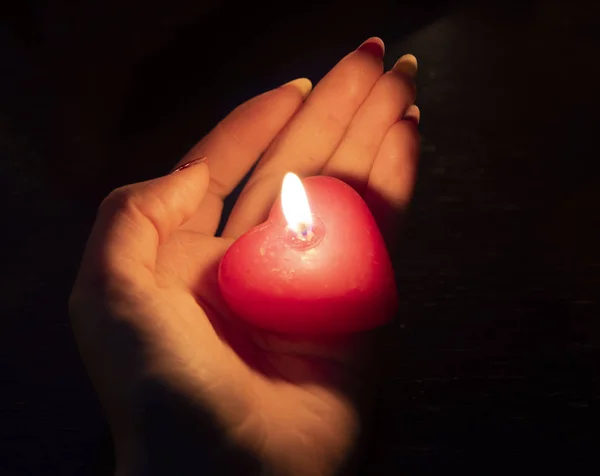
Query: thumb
x=135, y=219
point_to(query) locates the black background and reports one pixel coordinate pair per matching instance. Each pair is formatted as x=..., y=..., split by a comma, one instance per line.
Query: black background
x=493, y=365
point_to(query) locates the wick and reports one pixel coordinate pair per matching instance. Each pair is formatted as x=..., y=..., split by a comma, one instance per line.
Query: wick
x=305, y=232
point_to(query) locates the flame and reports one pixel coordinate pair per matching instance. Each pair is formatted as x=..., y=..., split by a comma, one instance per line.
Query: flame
x=294, y=203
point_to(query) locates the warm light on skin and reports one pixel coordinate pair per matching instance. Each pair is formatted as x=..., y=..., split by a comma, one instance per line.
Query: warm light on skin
x=294, y=203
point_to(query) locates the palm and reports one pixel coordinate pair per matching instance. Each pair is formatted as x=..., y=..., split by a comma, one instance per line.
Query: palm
x=295, y=403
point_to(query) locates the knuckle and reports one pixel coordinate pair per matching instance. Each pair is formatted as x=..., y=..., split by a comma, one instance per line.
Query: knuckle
x=335, y=123
x=125, y=201
x=120, y=198
x=136, y=204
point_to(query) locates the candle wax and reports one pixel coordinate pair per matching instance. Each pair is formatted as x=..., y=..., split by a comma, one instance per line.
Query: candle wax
x=334, y=277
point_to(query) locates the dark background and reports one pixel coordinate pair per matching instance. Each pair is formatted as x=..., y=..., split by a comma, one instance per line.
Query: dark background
x=494, y=363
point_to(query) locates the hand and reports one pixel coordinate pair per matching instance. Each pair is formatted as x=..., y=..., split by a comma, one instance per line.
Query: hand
x=185, y=384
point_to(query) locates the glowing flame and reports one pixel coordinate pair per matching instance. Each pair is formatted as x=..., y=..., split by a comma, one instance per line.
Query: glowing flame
x=294, y=202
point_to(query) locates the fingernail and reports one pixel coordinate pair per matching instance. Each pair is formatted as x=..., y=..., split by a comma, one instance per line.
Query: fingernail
x=301, y=84
x=189, y=164
x=413, y=113
x=407, y=65
x=373, y=46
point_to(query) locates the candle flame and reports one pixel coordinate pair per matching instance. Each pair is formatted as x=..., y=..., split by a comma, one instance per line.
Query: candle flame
x=294, y=203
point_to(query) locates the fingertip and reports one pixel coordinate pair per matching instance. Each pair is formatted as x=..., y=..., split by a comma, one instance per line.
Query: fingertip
x=302, y=85
x=374, y=46
x=196, y=172
x=189, y=164
x=413, y=114
x=186, y=184
x=407, y=64
x=194, y=176
x=181, y=191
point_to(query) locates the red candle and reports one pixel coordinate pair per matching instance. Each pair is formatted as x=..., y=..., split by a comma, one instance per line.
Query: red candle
x=318, y=265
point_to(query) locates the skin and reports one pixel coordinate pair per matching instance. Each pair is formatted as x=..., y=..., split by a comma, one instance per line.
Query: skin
x=184, y=383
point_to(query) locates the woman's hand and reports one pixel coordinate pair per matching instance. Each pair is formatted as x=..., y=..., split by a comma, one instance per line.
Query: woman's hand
x=187, y=387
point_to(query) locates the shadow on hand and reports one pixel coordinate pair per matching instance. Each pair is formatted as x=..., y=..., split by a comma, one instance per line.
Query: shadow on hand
x=187, y=438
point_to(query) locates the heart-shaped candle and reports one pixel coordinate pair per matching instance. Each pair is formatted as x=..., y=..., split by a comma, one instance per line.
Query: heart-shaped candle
x=318, y=265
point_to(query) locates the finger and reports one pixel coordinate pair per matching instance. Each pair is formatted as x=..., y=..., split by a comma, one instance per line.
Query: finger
x=134, y=220
x=312, y=136
x=343, y=349
x=413, y=114
x=392, y=178
x=388, y=101
x=237, y=142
